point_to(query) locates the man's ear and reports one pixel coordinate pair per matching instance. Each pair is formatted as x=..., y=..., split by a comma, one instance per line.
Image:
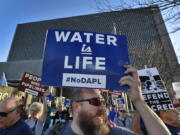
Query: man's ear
x=75, y=107
x=18, y=112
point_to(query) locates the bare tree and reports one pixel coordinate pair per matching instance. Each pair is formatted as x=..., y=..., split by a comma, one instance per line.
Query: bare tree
x=170, y=9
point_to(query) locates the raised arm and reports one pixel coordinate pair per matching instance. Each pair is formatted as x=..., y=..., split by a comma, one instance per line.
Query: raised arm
x=136, y=124
x=153, y=123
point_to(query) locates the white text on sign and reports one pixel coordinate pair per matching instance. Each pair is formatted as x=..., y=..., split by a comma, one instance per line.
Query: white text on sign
x=84, y=80
x=99, y=63
x=68, y=36
x=32, y=77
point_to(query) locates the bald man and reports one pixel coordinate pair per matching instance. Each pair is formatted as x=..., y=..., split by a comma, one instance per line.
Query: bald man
x=10, y=121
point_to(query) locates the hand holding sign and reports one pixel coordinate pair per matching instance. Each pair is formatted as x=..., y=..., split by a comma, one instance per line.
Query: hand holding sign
x=132, y=81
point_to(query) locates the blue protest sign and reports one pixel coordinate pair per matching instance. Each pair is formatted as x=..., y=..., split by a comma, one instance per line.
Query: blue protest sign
x=120, y=101
x=49, y=97
x=67, y=102
x=84, y=59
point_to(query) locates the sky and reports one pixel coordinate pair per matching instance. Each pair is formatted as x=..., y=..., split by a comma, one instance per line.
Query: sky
x=13, y=12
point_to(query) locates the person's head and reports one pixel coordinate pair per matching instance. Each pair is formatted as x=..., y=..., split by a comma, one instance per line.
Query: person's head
x=35, y=110
x=61, y=107
x=122, y=113
x=170, y=117
x=9, y=112
x=89, y=112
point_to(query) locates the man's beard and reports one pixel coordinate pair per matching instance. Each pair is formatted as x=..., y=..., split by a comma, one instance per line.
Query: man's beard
x=88, y=124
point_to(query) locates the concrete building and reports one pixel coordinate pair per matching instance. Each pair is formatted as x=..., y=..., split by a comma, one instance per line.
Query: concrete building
x=148, y=41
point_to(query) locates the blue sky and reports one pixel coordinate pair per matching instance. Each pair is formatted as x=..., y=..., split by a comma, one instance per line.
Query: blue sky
x=13, y=12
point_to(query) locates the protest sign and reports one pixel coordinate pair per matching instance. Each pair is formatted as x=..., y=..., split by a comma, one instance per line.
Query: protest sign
x=84, y=59
x=31, y=84
x=153, y=89
x=120, y=101
x=49, y=97
x=67, y=102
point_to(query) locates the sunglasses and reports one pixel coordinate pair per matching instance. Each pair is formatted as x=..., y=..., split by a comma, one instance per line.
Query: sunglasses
x=93, y=101
x=4, y=114
x=123, y=111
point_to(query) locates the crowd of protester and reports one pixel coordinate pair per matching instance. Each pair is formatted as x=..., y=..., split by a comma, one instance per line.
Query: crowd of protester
x=87, y=115
x=35, y=123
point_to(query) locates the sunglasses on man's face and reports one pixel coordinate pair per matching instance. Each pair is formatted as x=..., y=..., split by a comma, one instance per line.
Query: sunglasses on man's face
x=4, y=114
x=93, y=101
